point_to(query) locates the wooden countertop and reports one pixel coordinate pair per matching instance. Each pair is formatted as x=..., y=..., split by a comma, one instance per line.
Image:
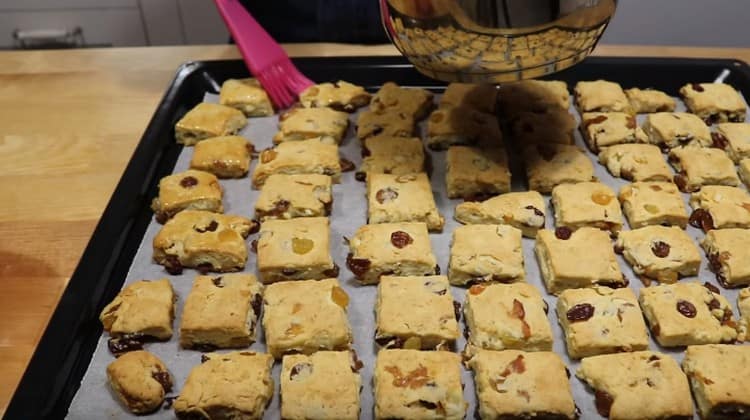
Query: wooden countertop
x=69, y=121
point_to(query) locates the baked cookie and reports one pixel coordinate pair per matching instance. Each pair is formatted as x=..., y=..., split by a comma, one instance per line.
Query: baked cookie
x=295, y=249
x=720, y=207
x=534, y=96
x=601, y=320
x=636, y=162
x=486, y=253
x=298, y=157
x=662, y=253
x=728, y=254
x=638, y=385
x=323, y=385
x=523, y=210
x=582, y=258
x=325, y=124
x=140, y=380
x=413, y=384
x=482, y=98
x=291, y=196
x=225, y=157
x=549, y=165
x=461, y=125
x=247, y=95
x=413, y=102
x=416, y=312
x=189, y=190
x=714, y=102
x=341, y=96
x=385, y=122
x=507, y=316
x=235, y=385
x=653, y=203
x=719, y=375
x=672, y=129
x=603, y=129
x=699, y=166
x=644, y=101
x=400, y=249
x=733, y=138
x=552, y=126
x=203, y=240
x=743, y=304
x=221, y=312
x=744, y=171
x=402, y=198
x=207, y=120
x=476, y=172
x=586, y=204
x=601, y=96
x=521, y=385
x=684, y=314
x=305, y=316
x=391, y=155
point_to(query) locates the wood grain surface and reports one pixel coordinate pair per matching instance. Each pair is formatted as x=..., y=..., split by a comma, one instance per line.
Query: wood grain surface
x=69, y=121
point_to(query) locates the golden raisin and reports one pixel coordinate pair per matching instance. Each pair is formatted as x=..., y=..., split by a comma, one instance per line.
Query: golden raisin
x=267, y=155
x=294, y=329
x=651, y=208
x=601, y=198
x=302, y=245
x=339, y=296
x=413, y=343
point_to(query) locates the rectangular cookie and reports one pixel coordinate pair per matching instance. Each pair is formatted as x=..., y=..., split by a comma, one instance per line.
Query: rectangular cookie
x=247, y=95
x=400, y=249
x=221, y=312
x=743, y=304
x=719, y=375
x=486, y=253
x=644, y=101
x=461, y=125
x=586, y=204
x=416, y=312
x=482, y=98
x=549, y=165
x=207, y=120
x=140, y=380
x=291, y=196
x=225, y=157
x=601, y=320
x=391, y=155
x=402, y=198
x=601, y=96
x=552, y=126
x=507, y=316
x=714, y=102
x=699, y=166
x=733, y=138
x=232, y=385
x=305, y=316
x=188, y=190
x=413, y=102
x=744, y=171
x=653, y=203
x=636, y=162
x=385, y=122
x=672, y=129
x=720, y=207
x=326, y=124
x=298, y=157
x=341, y=96
x=603, y=129
x=524, y=210
x=659, y=252
x=476, y=172
x=728, y=254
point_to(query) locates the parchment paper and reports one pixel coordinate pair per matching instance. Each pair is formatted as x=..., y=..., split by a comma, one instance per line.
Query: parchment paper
x=95, y=400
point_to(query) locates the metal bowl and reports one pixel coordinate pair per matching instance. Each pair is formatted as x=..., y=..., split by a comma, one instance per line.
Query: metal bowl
x=495, y=40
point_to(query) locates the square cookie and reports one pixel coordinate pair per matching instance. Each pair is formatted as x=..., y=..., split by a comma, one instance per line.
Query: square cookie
x=638, y=385
x=672, y=129
x=733, y=138
x=684, y=314
x=413, y=102
x=549, y=165
x=413, y=384
x=720, y=207
x=208, y=120
x=486, y=253
x=323, y=385
x=306, y=316
x=714, y=102
x=586, y=204
x=291, y=196
x=326, y=124
x=298, y=157
x=602, y=129
x=225, y=157
x=295, y=249
x=475, y=172
x=232, y=385
x=645, y=101
x=402, y=198
x=341, y=96
x=601, y=96
x=221, y=312
x=521, y=385
x=552, y=126
x=743, y=304
x=507, y=316
x=534, y=96
x=719, y=375
x=247, y=95
x=386, y=122
x=140, y=380
x=636, y=162
x=744, y=171
x=523, y=210
x=583, y=258
x=461, y=125
x=601, y=320
x=482, y=98
x=203, y=240
x=662, y=253
x=416, y=313
x=728, y=254
x=699, y=166
x=189, y=190
x=391, y=155
x=653, y=203
x=400, y=249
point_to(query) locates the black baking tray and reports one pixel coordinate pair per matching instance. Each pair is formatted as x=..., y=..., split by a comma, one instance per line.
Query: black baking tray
x=65, y=350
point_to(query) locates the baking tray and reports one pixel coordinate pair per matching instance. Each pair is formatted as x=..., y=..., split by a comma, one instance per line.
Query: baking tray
x=60, y=361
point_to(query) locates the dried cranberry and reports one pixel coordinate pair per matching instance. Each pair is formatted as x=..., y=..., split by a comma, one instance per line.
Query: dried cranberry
x=332, y=272
x=254, y=227
x=360, y=176
x=660, y=249
x=386, y=194
x=217, y=281
x=254, y=245
x=711, y=287
x=123, y=344
x=596, y=120
x=536, y=210
x=257, y=304
x=358, y=266
x=702, y=220
x=400, y=239
x=204, y=268
x=719, y=141
x=580, y=312
x=173, y=265
x=686, y=308
x=346, y=165
x=714, y=304
x=163, y=379
x=697, y=87
x=603, y=402
x=210, y=228
x=563, y=233
x=457, y=310
x=188, y=182
x=681, y=182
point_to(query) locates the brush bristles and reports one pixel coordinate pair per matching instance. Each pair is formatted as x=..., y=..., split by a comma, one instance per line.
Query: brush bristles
x=283, y=82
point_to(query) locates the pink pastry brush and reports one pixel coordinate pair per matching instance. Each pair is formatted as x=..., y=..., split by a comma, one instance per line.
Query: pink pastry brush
x=264, y=57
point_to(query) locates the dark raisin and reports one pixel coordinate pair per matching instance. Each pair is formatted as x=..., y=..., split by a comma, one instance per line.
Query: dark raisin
x=400, y=239
x=161, y=217
x=457, y=310
x=631, y=124
x=386, y=194
x=711, y=287
x=299, y=367
x=360, y=176
x=714, y=260
x=719, y=141
x=603, y=402
x=681, y=182
x=437, y=269
x=328, y=171
x=257, y=304
x=346, y=165
x=580, y=312
x=288, y=271
x=365, y=152
x=358, y=266
x=217, y=281
x=357, y=364
x=729, y=410
x=653, y=358
x=618, y=249
x=660, y=249
x=536, y=210
x=714, y=304
x=164, y=379
x=188, y=182
x=204, y=268
x=254, y=245
x=697, y=87
x=279, y=208
x=686, y=308
x=701, y=219
x=427, y=404
x=121, y=345
x=204, y=358
x=254, y=227
x=172, y=265
x=210, y=228
x=332, y=272
x=204, y=347
x=563, y=233
x=390, y=342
